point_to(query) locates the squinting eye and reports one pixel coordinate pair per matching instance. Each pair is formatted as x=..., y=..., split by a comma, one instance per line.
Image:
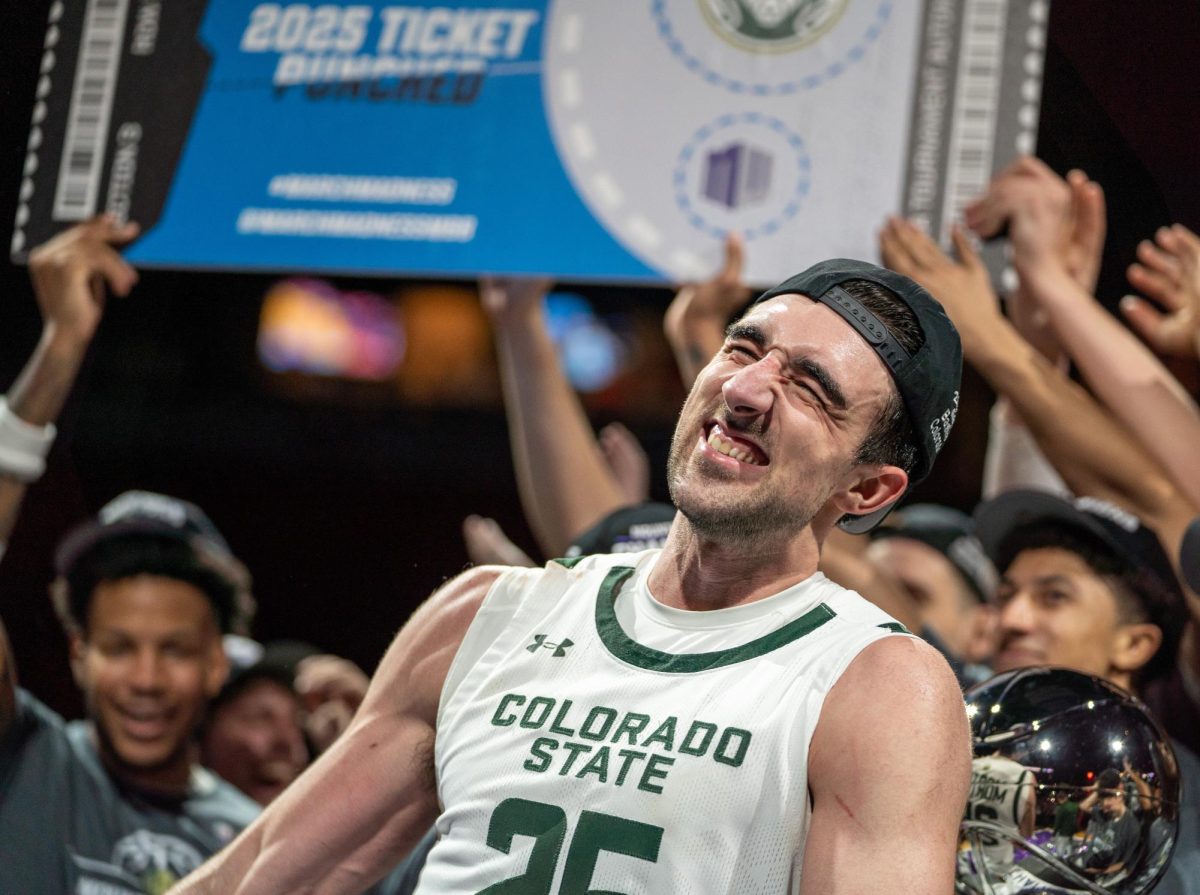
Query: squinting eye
x=809, y=390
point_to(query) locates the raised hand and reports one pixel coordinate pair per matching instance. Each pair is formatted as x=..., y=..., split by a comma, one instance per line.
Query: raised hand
x=1168, y=272
x=74, y=271
x=962, y=286
x=331, y=689
x=695, y=322
x=487, y=544
x=1048, y=219
x=627, y=460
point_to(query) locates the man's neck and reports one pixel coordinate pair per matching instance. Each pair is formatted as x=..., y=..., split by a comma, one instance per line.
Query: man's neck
x=699, y=573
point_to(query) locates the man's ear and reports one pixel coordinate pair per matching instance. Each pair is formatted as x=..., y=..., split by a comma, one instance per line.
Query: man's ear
x=1134, y=645
x=871, y=488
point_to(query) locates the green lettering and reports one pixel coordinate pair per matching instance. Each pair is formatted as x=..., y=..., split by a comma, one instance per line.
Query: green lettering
x=722, y=751
x=556, y=724
x=630, y=756
x=532, y=721
x=665, y=734
x=655, y=770
x=541, y=749
x=609, y=716
x=574, y=749
x=515, y=699
x=708, y=730
x=597, y=764
x=633, y=723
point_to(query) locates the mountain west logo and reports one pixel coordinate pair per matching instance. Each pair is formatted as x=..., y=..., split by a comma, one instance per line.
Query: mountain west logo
x=772, y=25
x=540, y=642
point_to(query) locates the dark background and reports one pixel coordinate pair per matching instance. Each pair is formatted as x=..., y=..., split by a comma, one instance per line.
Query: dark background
x=347, y=507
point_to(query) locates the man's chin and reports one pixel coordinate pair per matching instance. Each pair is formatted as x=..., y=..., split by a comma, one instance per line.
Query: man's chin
x=142, y=756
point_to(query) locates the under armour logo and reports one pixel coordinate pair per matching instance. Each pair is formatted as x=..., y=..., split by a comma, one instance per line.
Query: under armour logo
x=540, y=642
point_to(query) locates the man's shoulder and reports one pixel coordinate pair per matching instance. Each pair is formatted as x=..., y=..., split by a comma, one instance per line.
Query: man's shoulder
x=903, y=685
x=853, y=608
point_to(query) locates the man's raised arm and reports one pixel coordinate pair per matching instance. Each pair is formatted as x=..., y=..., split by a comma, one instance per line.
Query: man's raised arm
x=887, y=801
x=71, y=274
x=564, y=482
x=367, y=800
x=1094, y=454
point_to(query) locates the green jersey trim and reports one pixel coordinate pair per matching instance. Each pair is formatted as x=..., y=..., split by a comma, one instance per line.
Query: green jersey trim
x=569, y=562
x=614, y=638
x=894, y=627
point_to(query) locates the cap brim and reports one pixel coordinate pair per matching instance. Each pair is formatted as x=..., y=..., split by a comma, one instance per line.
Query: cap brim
x=860, y=525
x=997, y=518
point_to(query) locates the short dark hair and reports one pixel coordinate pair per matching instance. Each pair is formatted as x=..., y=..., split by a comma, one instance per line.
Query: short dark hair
x=1110, y=779
x=125, y=557
x=891, y=440
x=1140, y=596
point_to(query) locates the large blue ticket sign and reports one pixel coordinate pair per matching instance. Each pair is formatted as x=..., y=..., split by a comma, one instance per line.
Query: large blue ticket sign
x=603, y=140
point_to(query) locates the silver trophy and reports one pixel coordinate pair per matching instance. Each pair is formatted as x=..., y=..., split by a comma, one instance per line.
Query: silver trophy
x=1075, y=789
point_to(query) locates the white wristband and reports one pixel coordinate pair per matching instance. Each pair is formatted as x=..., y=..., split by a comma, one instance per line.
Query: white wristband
x=23, y=446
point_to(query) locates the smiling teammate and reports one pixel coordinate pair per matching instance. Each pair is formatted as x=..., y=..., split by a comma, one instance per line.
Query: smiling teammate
x=714, y=717
x=117, y=804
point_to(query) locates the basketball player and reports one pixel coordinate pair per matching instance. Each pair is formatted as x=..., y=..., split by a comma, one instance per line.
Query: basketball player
x=1005, y=793
x=716, y=717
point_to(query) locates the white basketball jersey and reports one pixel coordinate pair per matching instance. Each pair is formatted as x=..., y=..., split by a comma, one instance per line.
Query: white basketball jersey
x=591, y=739
x=1001, y=791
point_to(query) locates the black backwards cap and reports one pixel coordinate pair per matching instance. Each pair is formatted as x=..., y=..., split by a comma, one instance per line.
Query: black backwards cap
x=145, y=513
x=927, y=380
x=1123, y=533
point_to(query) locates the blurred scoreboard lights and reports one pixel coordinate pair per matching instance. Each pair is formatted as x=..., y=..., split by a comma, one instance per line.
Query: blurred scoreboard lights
x=432, y=341
x=308, y=326
x=590, y=351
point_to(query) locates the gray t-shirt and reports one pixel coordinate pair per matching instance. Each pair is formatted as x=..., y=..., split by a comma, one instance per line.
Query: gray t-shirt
x=67, y=827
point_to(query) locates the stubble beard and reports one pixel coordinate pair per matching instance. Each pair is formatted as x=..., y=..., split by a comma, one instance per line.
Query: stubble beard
x=758, y=514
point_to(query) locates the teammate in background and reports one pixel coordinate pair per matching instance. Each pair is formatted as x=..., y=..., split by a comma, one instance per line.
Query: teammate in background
x=1135, y=450
x=932, y=552
x=1085, y=586
x=253, y=735
x=1112, y=830
x=118, y=802
x=1005, y=793
x=716, y=717
x=1121, y=371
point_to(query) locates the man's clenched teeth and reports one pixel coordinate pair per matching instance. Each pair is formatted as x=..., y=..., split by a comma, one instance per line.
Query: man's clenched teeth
x=729, y=448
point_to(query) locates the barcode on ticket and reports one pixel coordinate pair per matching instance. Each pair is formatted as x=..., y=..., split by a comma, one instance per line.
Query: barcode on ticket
x=82, y=165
